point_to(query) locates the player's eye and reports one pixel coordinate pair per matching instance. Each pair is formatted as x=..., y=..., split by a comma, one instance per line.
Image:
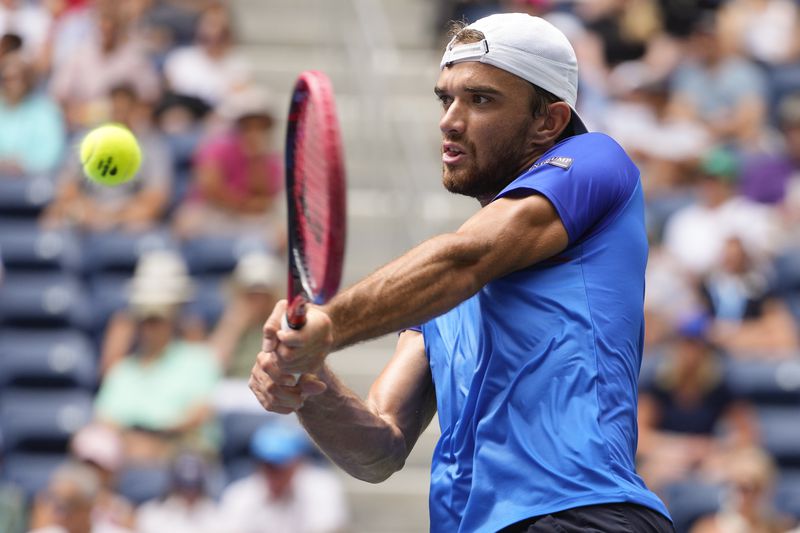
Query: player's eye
x=479, y=99
x=445, y=100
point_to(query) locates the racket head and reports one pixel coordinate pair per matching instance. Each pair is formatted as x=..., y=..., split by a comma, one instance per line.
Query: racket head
x=315, y=190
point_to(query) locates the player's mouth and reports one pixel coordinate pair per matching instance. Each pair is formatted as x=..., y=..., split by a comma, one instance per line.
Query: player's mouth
x=452, y=153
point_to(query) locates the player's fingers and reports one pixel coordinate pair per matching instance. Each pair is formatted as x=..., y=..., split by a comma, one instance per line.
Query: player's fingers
x=272, y=326
x=311, y=385
x=269, y=363
x=272, y=396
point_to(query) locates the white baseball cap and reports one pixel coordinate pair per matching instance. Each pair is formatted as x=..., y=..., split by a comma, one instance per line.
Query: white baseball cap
x=528, y=47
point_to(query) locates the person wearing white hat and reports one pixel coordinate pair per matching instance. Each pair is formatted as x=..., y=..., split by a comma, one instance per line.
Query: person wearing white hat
x=523, y=329
x=159, y=394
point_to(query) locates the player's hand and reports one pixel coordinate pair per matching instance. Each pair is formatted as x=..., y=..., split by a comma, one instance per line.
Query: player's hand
x=303, y=350
x=276, y=391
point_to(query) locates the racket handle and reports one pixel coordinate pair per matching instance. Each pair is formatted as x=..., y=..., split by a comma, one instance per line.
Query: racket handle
x=295, y=318
x=296, y=312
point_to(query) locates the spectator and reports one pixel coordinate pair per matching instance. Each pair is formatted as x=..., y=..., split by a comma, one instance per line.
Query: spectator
x=747, y=504
x=29, y=20
x=100, y=448
x=210, y=69
x=747, y=320
x=134, y=206
x=715, y=87
x=9, y=43
x=238, y=334
x=237, y=176
x=159, y=394
x=65, y=506
x=32, y=131
x=682, y=408
x=187, y=507
x=286, y=494
x=765, y=30
x=83, y=83
x=695, y=235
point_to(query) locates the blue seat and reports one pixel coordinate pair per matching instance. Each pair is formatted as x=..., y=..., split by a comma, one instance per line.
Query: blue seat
x=690, y=500
x=27, y=247
x=218, y=255
x=119, y=252
x=208, y=301
x=237, y=430
x=26, y=197
x=142, y=483
x=109, y=294
x=42, y=421
x=780, y=434
x=31, y=471
x=44, y=358
x=44, y=299
x=765, y=382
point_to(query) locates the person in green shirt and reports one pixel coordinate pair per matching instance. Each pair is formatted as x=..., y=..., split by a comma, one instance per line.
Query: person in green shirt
x=159, y=394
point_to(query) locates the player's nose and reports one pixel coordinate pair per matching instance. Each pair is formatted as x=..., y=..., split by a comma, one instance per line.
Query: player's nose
x=453, y=119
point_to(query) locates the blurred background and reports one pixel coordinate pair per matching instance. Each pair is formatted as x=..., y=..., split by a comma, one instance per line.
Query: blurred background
x=130, y=316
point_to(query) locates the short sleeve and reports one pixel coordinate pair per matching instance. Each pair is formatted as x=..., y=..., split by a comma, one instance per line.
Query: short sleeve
x=587, y=178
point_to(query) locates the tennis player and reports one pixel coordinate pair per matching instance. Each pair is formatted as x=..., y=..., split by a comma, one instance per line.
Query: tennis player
x=531, y=313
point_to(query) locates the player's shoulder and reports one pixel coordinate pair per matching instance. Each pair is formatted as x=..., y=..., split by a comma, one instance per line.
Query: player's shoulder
x=592, y=153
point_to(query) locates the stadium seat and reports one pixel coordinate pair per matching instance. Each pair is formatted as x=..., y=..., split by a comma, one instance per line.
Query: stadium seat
x=218, y=255
x=57, y=358
x=237, y=429
x=31, y=471
x=780, y=434
x=689, y=500
x=42, y=421
x=27, y=247
x=26, y=197
x=109, y=294
x=208, y=301
x=44, y=299
x=118, y=252
x=787, y=493
x=765, y=382
x=142, y=483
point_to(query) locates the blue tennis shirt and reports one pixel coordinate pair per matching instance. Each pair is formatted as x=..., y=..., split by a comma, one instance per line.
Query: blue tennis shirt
x=536, y=374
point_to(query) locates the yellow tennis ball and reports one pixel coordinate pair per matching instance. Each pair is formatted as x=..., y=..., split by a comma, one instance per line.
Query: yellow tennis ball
x=110, y=154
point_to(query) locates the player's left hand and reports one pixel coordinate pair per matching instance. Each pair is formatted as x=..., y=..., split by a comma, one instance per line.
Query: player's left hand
x=298, y=351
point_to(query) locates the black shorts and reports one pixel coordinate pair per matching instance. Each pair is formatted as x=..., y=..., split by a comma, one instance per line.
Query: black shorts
x=605, y=518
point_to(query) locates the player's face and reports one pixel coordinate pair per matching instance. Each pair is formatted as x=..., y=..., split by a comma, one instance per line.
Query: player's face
x=488, y=128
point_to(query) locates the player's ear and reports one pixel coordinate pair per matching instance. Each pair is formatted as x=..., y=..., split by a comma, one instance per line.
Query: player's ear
x=553, y=123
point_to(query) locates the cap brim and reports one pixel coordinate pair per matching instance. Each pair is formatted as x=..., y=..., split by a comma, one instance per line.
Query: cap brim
x=576, y=125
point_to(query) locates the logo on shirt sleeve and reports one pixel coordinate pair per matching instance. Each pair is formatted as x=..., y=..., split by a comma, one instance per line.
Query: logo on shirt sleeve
x=559, y=161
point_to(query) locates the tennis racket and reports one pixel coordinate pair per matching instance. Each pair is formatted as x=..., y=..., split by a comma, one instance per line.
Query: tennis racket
x=315, y=194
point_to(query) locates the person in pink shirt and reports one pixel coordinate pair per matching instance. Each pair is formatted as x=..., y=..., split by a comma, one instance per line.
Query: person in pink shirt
x=237, y=175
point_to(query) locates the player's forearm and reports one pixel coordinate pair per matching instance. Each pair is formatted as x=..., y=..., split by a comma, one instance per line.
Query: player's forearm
x=427, y=281
x=354, y=437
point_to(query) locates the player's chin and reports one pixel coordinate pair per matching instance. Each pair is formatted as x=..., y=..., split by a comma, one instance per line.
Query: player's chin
x=457, y=180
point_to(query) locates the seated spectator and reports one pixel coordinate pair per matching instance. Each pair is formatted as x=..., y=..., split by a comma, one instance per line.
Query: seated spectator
x=29, y=20
x=158, y=395
x=100, y=447
x=83, y=83
x=682, y=408
x=32, y=131
x=715, y=87
x=238, y=334
x=286, y=491
x=65, y=506
x=237, y=177
x=187, y=507
x=746, y=319
x=747, y=506
x=134, y=206
x=695, y=235
x=211, y=69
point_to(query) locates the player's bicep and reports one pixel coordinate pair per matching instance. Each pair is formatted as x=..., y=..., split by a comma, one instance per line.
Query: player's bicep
x=517, y=232
x=403, y=395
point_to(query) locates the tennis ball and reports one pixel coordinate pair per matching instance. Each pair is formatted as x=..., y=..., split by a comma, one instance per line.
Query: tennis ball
x=110, y=154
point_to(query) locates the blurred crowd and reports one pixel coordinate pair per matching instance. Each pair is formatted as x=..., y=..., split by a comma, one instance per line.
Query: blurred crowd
x=172, y=440
x=704, y=95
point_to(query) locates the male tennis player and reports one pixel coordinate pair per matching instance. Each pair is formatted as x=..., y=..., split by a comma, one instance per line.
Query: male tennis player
x=531, y=312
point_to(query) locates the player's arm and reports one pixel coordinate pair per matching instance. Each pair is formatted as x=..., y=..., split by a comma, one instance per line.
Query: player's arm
x=505, y=236
x=370, y=439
